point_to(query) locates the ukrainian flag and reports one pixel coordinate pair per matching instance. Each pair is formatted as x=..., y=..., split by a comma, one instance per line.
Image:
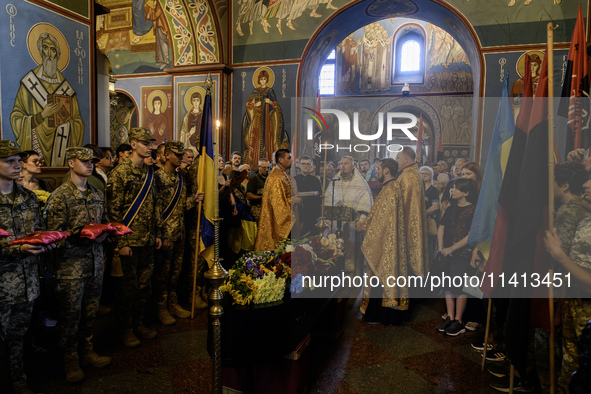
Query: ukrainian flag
x=207, y=183
x=483, y=223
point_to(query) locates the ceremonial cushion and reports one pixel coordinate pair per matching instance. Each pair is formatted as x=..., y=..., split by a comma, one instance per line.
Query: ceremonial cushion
x=95, y=230
x=40, y=238
x=120, y=229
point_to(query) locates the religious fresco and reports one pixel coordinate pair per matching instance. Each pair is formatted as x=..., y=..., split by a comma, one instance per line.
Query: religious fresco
x=123, y=118
x=157, y=112
x=190, y=98
x=142, y=36
x=515, y=22
x=261, y=102
x=366, y=54
x=45, y=81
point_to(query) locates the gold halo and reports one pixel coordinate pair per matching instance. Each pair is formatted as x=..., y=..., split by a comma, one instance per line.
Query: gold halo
x=33, y=36
x=521, y=61
x=255, y=77
x=188, y=104
x=162, y=96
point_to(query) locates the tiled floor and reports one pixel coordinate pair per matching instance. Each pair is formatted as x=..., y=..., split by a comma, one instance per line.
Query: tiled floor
x=409, y=358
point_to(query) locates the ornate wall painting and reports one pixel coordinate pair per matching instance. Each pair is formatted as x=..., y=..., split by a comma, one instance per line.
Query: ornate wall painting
x=190, y=99
x=157, y=111
x=45, y=81
x=135, y=36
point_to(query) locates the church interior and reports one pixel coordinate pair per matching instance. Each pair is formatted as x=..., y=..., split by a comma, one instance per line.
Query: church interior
x=140, y=63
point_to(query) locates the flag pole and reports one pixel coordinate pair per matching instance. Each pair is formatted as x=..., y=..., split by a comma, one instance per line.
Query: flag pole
x=550, y=55
x=487, y=331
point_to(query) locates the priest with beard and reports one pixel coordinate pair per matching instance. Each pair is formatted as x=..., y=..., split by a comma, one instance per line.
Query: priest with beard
x=352, y=191
x=384, y=248
x=415, y=220
x=280, y=193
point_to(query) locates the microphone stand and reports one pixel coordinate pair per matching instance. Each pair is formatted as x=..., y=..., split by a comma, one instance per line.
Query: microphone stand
x=334, y=179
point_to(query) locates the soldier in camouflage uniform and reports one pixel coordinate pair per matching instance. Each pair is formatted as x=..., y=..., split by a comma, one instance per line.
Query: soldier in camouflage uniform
x=79, y=263
x=20, y=215
x=135, y=250
x=577, y=308
x=171, y=208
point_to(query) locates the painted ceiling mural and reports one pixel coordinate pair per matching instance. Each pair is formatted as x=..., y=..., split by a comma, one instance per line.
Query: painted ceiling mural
x=142, y=36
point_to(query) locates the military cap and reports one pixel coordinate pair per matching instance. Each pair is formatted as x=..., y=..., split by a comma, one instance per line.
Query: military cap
x=140, y=134
x=176, y=147
x=80, y=153
x=9, y=148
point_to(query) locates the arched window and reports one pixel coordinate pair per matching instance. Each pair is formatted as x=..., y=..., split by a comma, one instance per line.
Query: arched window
x=327, y=76
x=409, y=56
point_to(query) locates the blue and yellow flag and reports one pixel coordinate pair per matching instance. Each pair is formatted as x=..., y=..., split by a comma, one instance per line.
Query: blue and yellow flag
x=207, y=183
x=483, y=223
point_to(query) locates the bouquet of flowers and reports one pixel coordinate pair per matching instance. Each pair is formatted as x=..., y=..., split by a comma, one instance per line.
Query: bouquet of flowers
x=42, y=196
x=314, y=256
x=257, y=277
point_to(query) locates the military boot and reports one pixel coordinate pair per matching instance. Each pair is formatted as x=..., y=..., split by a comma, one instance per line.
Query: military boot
x=129, y=339
x=72, y=369
x=163, y=315
x=95, y=360
x=200, y=302
x=177, y=311
x=146, y=333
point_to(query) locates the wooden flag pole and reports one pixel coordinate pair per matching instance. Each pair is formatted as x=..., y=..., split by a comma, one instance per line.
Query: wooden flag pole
x=486, y=332
x=550, y=55
x=197, y=237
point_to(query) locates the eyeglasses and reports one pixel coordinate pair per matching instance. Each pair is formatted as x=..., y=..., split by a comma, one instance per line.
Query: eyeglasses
x=263, y=168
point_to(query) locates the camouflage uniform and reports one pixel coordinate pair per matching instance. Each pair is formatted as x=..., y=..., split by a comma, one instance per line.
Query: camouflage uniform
x=169, y=262
x=576, y=311
x=20, y=215
x=79, y=263
x=125, y=182
x=567, y=219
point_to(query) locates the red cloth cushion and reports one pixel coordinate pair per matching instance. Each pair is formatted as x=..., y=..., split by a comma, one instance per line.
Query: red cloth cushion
x=95, y=230
x=120, y=229
x=4, y=233
x=40, y=238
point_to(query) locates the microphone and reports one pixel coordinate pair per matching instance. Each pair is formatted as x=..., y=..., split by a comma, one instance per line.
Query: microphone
x=338, y=178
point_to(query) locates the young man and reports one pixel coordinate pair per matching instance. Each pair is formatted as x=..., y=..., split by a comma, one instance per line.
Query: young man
x=79, y=263
x=236, y=160
x=20, y=215
x=172, y=202
x=131, y=199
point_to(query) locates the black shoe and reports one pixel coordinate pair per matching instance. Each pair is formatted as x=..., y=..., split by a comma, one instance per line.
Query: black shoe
x=480, y=346
x=441, y=327
x=456, y=328
x=518, y=385
x=494, y=355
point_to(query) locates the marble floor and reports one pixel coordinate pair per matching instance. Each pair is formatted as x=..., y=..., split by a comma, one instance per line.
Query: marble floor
x=407, y=358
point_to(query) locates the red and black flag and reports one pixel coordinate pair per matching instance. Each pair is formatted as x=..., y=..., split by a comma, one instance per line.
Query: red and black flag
x=576, y=88
x=440, y=155
x=524, y=252
x=507, y=201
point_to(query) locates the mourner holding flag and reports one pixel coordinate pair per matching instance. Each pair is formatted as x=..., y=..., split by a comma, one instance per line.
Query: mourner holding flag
x=172, y=202
x=131, y=197
x=79, y=262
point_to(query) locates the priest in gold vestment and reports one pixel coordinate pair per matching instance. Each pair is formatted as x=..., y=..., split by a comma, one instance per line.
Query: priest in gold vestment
x=384, y=248
x=415, y=219
x=277, y=216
